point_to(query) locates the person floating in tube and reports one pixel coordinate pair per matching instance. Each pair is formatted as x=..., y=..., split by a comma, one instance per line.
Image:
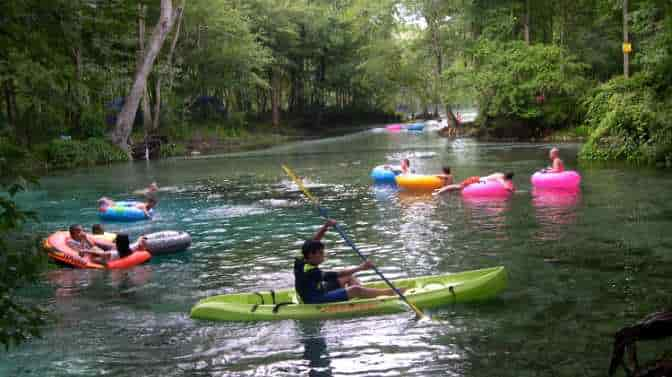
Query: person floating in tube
x=504, y=178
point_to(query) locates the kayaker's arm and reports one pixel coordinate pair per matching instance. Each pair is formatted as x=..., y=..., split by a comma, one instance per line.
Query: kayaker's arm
x=320, y=233
x=362, y=267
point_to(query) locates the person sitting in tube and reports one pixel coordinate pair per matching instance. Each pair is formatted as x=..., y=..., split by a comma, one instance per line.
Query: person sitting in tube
x=315, y=286
x=506, y=179
x=446, y=176
x=88, y=247
x=557, y=166
x=124, y=247
x=404, y=168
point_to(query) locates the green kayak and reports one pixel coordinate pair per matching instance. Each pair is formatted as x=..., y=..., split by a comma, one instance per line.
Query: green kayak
x=425, y=292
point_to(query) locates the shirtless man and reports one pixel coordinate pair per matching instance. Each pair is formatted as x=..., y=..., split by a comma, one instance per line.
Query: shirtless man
x=557, y=166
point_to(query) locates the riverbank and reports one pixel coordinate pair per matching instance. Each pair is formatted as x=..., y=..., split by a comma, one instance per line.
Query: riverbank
x=211, y=140
x=570, y=135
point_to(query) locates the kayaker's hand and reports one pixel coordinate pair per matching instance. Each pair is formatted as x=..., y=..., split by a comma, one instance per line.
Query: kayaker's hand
x=366, y=265
x=330, y=222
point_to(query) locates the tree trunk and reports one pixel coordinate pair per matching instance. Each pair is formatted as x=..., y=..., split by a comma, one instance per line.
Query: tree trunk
x=626, y=40
x=8, y=88
x=77, y=111
x=124, y=126
x=526, y=22
x=275, y=97
x=146, y=112
x=157, y=92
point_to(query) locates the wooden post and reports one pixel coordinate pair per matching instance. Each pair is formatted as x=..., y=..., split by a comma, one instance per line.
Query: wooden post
x=626, y=41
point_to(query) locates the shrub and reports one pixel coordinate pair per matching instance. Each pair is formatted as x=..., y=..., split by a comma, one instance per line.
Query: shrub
x=61, y=154
x=628, y=122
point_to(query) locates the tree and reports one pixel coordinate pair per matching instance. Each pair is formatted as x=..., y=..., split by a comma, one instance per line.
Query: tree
x=119, y=136
x=21, y=260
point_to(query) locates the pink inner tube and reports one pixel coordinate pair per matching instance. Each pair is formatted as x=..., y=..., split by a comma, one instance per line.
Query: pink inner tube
x=486, y=189
x=568, y=179
x=394, y=127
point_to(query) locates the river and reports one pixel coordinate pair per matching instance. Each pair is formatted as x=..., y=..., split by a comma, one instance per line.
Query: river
x=580, y=266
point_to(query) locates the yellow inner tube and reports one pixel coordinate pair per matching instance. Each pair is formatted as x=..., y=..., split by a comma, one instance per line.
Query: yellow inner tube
x=418, y=182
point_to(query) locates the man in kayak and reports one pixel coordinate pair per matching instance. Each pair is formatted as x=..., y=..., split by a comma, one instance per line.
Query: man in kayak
x=557, y=166
x=315, y=286
x=88, y=247
x=504, y=178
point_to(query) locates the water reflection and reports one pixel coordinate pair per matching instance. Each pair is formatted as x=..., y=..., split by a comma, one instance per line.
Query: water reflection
x=487, y=214
x=315, y=350
x=555, y=210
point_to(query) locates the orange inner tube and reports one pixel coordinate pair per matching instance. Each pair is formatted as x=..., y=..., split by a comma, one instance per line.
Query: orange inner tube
x=58, y=250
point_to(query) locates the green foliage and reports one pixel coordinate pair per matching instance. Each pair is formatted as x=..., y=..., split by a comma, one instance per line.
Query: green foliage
x=539, y=83
x=173, y=150
x=629, y=121
x=21, y=259
x=60, y=154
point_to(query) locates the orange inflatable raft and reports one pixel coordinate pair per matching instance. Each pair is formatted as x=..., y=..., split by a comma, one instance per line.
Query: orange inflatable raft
x=417, y=182
x=58, y=250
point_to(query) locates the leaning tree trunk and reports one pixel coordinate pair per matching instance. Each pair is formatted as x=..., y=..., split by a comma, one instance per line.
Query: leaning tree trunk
x=157, y=92
x=119, y=136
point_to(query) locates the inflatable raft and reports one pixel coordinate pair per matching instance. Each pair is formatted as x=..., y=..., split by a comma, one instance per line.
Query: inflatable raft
x=567, y=180
x=417, y=182
x=59, y=251
x=483, y=189
x=385, y=174
x=424, y=292
x=123, y=211
x=167, y=242
x=416, y=127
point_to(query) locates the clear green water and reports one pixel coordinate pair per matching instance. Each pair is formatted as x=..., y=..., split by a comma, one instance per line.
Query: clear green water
x=579, y=267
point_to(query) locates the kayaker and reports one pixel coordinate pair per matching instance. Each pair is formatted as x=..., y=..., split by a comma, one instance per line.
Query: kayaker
x=557, y=166
x=315, y=286
x=504, y=178
x=87, y=246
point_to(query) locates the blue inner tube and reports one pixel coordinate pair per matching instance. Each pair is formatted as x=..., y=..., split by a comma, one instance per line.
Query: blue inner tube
x=123, y=211
x=416, y=127
x=382, y=174
x=167, y=242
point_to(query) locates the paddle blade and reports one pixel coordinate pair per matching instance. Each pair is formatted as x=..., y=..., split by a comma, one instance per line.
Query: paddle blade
x=299, y=183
